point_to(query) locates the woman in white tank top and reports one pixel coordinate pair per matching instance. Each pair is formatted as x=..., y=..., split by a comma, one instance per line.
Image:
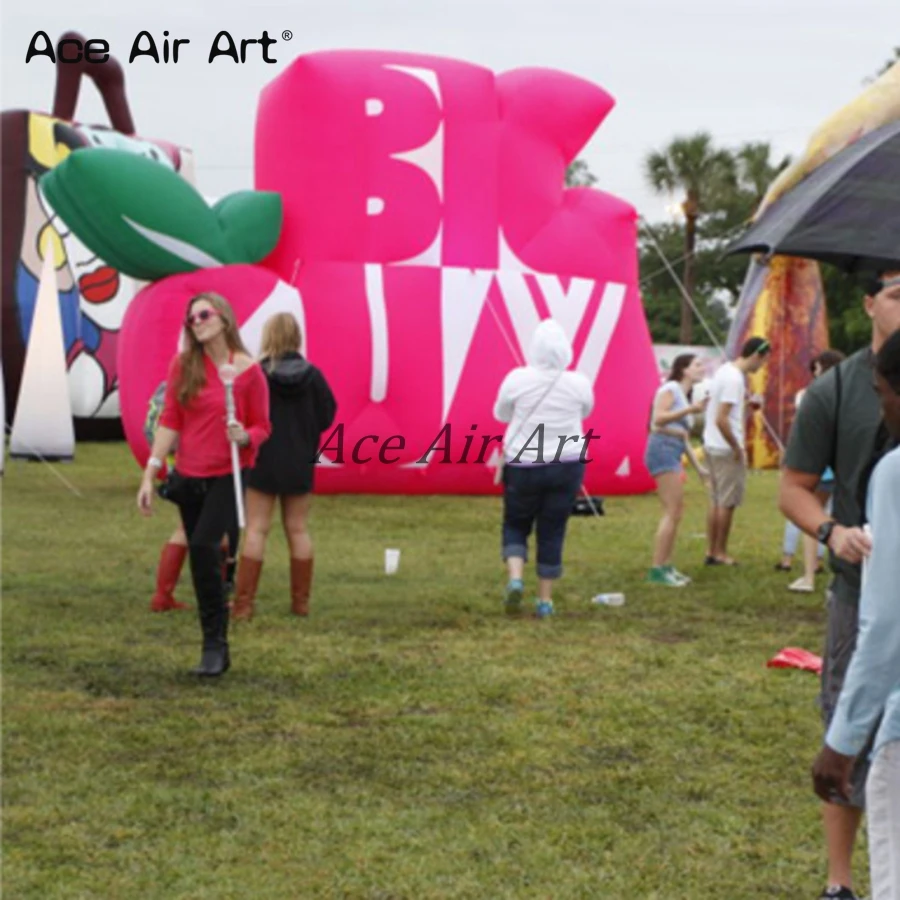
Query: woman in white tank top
x=670, y=426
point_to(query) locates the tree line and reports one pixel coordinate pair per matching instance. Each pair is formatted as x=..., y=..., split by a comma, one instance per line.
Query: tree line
x=717, y=190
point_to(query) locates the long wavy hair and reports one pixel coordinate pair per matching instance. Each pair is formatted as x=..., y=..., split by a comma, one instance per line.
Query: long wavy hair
x=280, y=335
x=680, y=365
x=193, y=371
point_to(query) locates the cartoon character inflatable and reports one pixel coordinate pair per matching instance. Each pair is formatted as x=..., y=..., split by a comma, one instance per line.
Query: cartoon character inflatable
x=93, y=293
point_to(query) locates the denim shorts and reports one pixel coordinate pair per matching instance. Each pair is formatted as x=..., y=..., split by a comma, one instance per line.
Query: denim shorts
x=663, y=454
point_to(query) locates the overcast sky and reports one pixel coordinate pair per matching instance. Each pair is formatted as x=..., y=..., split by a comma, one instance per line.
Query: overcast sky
x=744, y=71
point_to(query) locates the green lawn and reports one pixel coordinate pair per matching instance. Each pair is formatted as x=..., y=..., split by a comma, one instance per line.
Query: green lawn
x=408, y=740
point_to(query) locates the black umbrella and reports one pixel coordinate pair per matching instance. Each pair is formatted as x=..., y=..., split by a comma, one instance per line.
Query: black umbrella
x=847, y=212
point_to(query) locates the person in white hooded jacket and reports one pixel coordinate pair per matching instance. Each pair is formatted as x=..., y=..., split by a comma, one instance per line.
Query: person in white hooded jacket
x=545, y=453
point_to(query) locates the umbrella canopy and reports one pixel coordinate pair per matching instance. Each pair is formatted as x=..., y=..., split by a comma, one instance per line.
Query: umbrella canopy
x=846, y=212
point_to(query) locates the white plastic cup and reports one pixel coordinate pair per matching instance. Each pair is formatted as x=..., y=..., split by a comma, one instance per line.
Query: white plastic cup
x=391, y=561
x=609, y=599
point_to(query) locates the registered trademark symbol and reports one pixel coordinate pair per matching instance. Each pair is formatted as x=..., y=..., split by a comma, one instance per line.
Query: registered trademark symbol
x=286, y=35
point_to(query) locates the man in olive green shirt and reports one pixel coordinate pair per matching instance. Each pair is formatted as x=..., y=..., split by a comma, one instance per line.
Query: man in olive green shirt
x=847, y=437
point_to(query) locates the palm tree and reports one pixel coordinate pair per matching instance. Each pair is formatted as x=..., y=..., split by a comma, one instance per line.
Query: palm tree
x=579, y=174
x=695, y=167
x=756, y=170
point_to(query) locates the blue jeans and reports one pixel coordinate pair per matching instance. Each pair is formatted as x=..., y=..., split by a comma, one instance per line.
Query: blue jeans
x=542, y=495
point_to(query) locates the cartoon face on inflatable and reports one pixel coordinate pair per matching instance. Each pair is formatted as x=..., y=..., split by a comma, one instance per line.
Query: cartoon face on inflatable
x=427, y=228
x=93, y=295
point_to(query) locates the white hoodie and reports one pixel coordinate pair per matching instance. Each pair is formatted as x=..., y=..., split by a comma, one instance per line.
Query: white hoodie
x=560, y=411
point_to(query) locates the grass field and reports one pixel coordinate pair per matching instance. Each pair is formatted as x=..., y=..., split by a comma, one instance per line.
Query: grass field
x=408, y=740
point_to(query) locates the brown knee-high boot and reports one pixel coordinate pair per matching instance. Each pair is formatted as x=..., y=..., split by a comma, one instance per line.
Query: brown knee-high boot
x=170, y=562
x=248, y=573
x=301, y=584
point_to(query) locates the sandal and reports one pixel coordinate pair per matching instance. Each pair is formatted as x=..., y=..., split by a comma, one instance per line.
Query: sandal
x=781, y=567
x=801, y=586
x=715, y=561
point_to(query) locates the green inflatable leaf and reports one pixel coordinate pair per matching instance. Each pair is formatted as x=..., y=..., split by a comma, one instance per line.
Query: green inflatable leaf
x=146, y=221
x=262, y=209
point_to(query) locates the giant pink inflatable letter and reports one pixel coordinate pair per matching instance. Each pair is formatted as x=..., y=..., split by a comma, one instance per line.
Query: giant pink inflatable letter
x=428, y=232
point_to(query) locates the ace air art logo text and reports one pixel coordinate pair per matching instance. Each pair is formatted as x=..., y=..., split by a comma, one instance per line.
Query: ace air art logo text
x=96, y=50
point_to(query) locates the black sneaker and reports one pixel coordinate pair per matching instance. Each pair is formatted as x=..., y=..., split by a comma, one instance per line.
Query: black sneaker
x=838, y=893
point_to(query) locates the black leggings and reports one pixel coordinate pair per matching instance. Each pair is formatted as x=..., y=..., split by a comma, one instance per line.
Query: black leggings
x=208, y=511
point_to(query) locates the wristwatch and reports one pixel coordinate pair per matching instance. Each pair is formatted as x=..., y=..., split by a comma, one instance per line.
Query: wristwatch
x=155, y=463
x=823, y=532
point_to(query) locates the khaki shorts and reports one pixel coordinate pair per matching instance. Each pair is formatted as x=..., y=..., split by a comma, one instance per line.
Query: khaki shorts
x=727, y=479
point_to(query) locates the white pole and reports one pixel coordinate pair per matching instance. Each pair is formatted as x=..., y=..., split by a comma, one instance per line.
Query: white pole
x=228, y=373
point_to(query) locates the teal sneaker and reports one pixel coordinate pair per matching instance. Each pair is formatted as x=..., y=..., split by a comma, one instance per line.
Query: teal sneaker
x=680, y=576
x=543, y=609
x=661, y=575
x=515, y=591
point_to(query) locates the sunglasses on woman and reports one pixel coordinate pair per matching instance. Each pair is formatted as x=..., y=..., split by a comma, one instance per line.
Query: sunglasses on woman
x=202, y=316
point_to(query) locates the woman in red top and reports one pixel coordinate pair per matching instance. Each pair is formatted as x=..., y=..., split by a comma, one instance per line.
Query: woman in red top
x=194, y=415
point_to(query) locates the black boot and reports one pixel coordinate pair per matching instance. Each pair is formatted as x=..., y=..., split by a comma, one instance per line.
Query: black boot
x=224, y=635
x=213, y=662
x=206, y=570
x=230, y=569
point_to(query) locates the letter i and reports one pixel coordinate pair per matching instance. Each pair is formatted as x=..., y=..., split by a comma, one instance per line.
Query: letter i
x=467, y=443
x=166, y=47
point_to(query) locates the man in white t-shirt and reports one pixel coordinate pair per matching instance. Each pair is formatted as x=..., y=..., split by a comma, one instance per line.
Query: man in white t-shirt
x=723, y=443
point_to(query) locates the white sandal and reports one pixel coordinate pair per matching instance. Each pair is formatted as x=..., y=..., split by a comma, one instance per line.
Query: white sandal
x=802, y=586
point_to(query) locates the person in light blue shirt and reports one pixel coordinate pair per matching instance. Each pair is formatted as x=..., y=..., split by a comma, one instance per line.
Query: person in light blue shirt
x=872, y=686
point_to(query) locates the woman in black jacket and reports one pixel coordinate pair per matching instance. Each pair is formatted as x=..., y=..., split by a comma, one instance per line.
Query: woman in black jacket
x=301, y=407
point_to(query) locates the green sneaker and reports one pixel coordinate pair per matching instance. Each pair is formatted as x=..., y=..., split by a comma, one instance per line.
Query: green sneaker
x=660, y=575
x=684, y=579
x=515, y=591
